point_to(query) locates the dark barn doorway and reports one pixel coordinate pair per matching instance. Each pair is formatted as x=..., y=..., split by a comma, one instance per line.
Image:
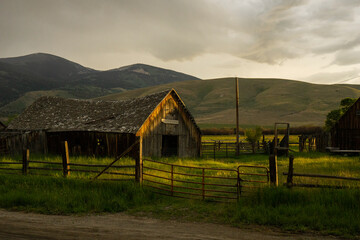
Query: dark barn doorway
x=170, y=145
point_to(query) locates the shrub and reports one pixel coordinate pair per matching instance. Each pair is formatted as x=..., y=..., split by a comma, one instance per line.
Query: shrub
x=253, y=135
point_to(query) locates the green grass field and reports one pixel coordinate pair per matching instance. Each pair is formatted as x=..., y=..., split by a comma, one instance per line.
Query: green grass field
x=330, y=211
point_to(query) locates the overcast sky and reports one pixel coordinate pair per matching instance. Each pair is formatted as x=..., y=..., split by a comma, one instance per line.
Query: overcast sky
x=314, y=40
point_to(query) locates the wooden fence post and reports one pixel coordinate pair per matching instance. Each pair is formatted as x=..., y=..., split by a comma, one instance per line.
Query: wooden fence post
x=172, y=180
x=65, y=159
x=139, y=163
x=26, y=156
x=226, y=145
x=203, y=183
x=238, y=185
x=274, y=179
x=290, y=172
x=214, y=150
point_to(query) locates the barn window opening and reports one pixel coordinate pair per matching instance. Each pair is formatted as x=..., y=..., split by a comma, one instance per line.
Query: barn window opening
x=170, y=145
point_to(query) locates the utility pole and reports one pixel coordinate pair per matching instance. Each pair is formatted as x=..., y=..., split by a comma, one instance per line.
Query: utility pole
x=237, y=115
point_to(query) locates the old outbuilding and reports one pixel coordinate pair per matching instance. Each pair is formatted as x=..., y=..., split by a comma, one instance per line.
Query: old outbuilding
x=345, y=135
x=160, y=122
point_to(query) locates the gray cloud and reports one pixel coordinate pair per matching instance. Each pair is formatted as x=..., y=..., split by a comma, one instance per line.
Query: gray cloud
x=260, y=30
x=273, y=25
x=347, y=57
x=350, y=77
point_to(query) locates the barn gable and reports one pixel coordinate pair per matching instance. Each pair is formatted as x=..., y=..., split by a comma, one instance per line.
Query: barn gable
x=346, y=132
x=170, y=130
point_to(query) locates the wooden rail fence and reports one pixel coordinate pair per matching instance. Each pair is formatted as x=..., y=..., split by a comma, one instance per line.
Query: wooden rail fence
x=290, y=178
x=220, y=149
x=36, y=167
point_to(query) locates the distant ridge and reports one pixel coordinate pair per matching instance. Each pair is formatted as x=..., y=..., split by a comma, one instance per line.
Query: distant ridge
x=43, y=73
x=262, y=101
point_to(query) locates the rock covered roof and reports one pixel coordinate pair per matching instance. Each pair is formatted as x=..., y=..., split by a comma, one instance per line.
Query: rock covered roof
x=59, y=114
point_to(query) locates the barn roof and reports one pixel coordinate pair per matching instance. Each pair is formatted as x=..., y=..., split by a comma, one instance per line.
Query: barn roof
x=59, y=114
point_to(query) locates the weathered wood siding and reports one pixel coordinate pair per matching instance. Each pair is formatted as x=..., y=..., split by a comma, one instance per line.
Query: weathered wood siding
x=90, y=143
x=346, y=133
x=79, y=142
x=189, y=139
x=15, y=142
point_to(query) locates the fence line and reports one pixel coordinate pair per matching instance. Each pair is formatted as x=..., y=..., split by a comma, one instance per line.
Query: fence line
x=27, y=165
x=290, y=175
x=219, y=149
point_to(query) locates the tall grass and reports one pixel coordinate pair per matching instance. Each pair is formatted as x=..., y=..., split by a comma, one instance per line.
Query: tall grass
x=64, y=196
x=329, y=210
x=332, y=211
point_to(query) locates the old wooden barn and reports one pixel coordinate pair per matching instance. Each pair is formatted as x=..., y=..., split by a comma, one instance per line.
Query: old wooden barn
x=345, y=135
x=160, y=121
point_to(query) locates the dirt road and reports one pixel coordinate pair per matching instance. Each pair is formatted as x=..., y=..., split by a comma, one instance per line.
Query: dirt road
x=19, y=225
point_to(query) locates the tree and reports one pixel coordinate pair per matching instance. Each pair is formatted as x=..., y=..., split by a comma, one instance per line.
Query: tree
x=333, y=116
x=253, y=135
x=346, y=103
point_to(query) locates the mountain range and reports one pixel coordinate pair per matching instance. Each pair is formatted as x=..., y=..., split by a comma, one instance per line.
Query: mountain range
x=262, y=101
x=25, y=78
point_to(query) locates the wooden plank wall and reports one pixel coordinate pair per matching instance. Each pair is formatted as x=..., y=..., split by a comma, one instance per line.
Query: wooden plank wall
x=189, y=138
x=90, y=143
x=33, y=140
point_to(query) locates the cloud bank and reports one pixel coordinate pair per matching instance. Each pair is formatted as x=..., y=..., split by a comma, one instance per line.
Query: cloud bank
x=258, y=32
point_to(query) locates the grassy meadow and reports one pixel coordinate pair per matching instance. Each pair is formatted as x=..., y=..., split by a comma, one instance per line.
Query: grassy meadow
x=329, y=211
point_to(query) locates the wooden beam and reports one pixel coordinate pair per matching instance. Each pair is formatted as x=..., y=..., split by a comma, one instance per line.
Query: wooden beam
x=117, y=158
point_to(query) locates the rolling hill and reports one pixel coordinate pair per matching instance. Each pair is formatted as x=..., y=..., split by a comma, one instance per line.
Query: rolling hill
x=23, y=79
x=262, y=101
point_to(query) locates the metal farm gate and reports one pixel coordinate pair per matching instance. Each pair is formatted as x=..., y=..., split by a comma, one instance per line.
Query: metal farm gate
x=203, y=183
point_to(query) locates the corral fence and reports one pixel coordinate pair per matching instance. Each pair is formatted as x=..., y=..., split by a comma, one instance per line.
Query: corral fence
x=203, y=183
x=309, y=180
x=222, y=149
x=314, y=142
